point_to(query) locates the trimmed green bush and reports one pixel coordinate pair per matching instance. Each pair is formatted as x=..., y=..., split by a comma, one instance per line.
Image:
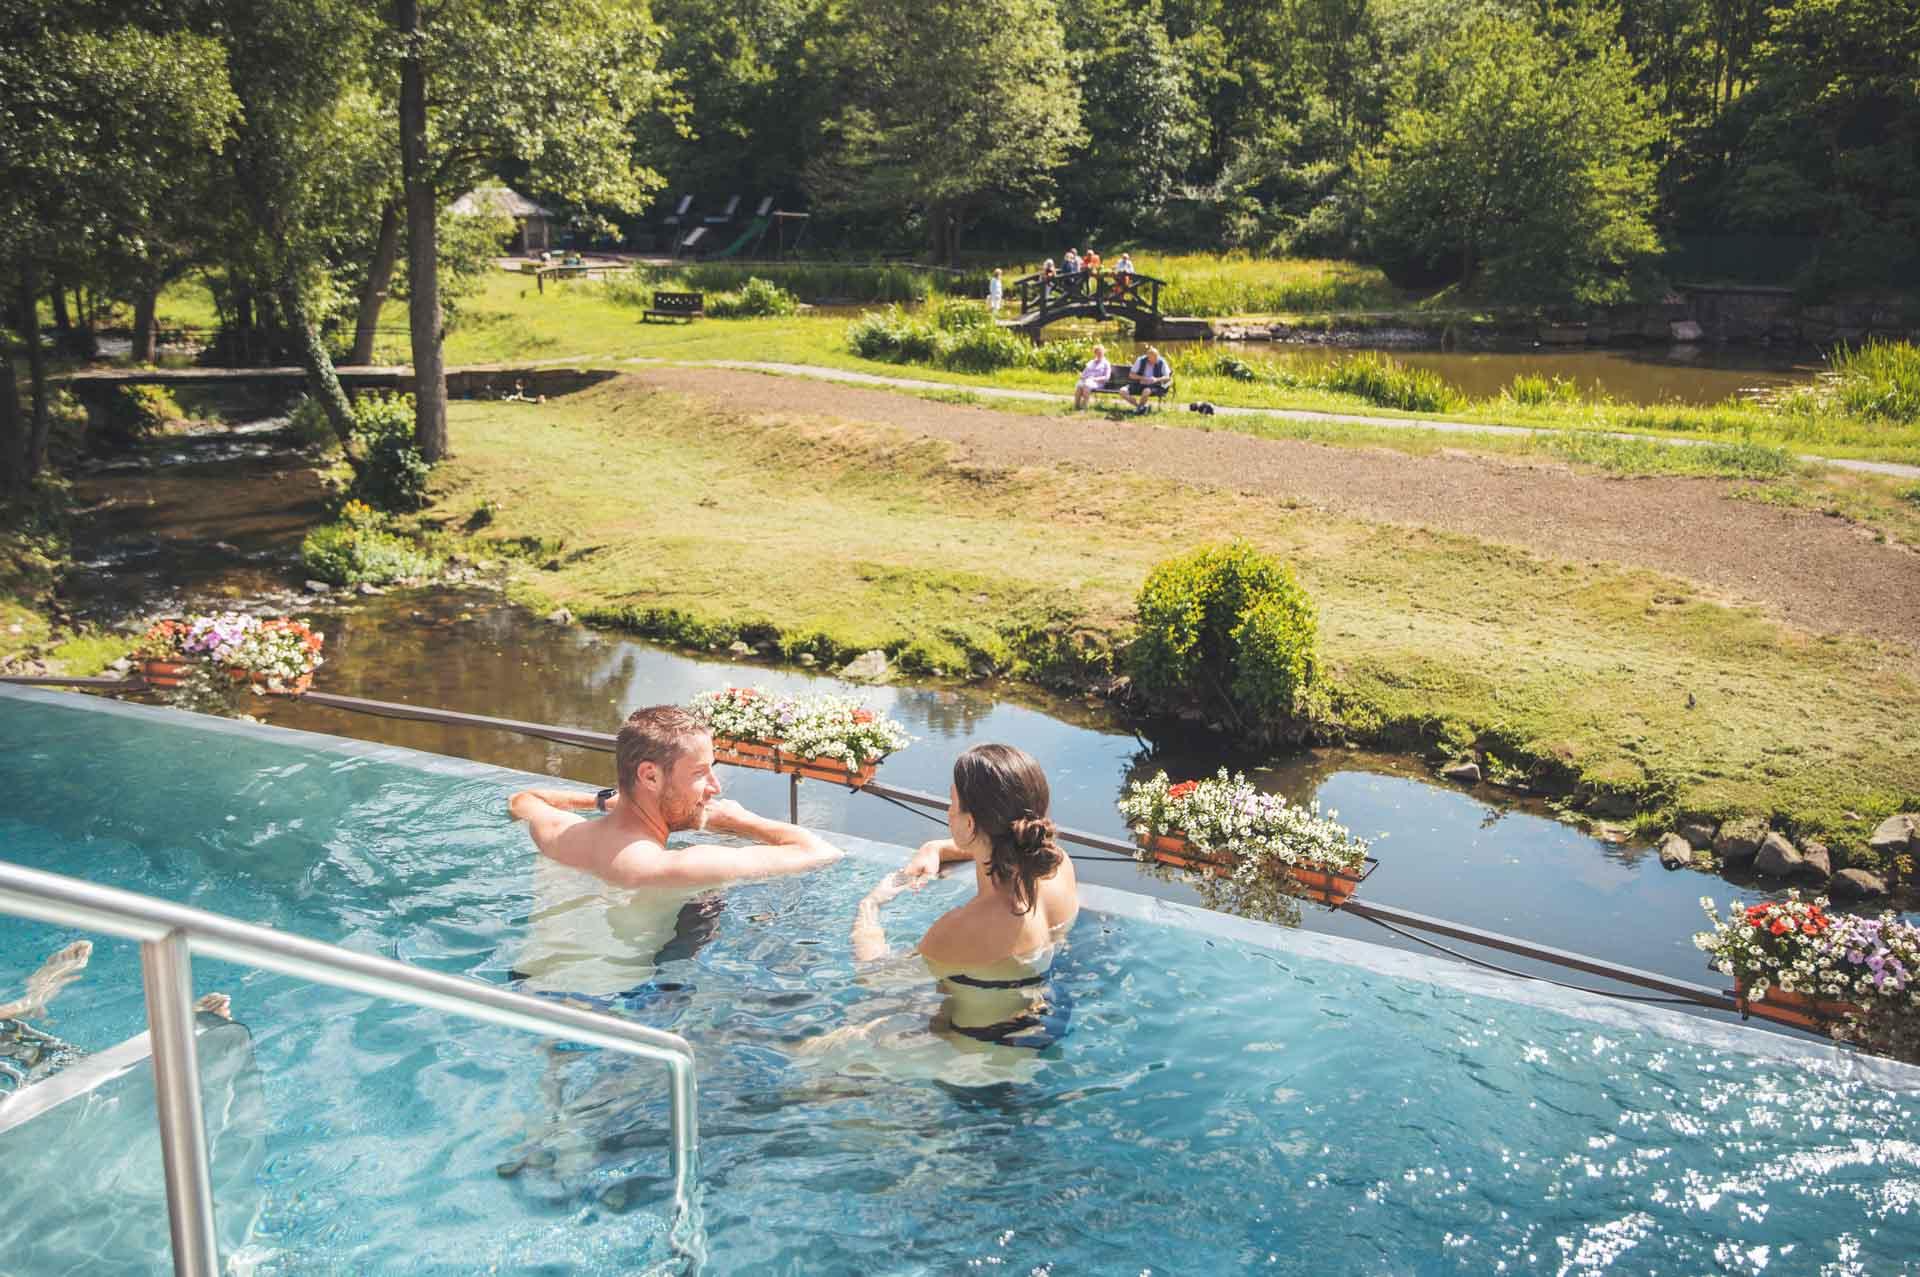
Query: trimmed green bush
x=388, y=471
x=1229, y=631
x=983, y=349
x=1067, y=354
x=352, y=551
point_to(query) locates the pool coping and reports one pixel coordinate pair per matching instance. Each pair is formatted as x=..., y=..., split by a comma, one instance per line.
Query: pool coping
x=1825, y=1057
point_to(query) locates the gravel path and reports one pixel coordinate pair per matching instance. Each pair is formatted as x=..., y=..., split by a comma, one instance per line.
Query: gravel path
x=1822, y=574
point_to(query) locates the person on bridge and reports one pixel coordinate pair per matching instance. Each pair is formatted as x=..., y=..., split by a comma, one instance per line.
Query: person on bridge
x=1070, y=264
x=1091, y=262
x=1093, y=377
x=1122, y=274
x=1151, y=377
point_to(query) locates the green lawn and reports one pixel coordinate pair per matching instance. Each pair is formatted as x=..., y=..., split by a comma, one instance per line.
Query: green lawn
x=833, y=537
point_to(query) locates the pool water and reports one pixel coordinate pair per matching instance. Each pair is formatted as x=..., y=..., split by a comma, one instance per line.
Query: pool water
x=1229, y=1097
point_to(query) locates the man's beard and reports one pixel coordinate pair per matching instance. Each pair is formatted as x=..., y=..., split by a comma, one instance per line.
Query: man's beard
x=689, y=815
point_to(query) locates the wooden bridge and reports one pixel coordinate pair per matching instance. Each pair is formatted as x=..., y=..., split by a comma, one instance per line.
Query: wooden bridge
x=1100, y=294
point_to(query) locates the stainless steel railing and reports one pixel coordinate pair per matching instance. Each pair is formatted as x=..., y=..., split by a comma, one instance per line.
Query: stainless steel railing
x=169, y=934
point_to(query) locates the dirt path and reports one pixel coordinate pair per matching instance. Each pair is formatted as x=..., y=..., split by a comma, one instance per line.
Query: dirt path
x=1821, y=574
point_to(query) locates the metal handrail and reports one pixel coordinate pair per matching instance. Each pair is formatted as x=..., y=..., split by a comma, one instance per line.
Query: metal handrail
x=168, y=933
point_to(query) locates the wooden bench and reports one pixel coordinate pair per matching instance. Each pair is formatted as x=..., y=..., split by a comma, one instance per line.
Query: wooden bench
x=687, y=306
x=1118, y=383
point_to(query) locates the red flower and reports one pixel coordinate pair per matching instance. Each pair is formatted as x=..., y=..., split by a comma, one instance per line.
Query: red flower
x=863, y=716
x=1181, y=790
x=1780, y=928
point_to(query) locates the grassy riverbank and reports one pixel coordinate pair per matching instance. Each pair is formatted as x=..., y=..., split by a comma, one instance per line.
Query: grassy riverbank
x=508, y=320
x=698, y=525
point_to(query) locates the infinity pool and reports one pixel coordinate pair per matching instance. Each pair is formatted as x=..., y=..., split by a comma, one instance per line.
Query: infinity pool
x=1229, y=1097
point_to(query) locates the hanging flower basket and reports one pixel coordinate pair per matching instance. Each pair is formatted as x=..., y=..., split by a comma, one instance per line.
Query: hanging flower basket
x=272, y=657
x=271, y=684
x=829, y=738
x=1331, y=886
x=1256, y=852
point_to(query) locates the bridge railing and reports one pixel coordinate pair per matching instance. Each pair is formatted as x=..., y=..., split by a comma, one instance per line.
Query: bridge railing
x=1127, y=291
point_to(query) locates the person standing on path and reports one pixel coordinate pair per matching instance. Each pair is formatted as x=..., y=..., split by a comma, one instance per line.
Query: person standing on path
x=994, y=292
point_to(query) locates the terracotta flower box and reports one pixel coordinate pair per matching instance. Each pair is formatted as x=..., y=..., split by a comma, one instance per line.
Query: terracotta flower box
x=159, y=673
x=1802, y=1011
x=746, y=753
x=299, y=685
x=771, y=758
x=1330, y=887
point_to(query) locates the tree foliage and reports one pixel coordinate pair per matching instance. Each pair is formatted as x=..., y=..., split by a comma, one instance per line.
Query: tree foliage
x=1523, y=157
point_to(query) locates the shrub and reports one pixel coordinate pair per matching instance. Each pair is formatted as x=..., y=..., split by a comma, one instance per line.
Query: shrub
x=1880, y=381
x=1230, y=630
x=959, y=315
x=388, y=473
x=1068, y=354
x=309, y=425
x=1387, y=382
x=356, y=550
x=1530, y=389
x=135, y=412
x=893, y=335
x=755, y=298
x=985, y=349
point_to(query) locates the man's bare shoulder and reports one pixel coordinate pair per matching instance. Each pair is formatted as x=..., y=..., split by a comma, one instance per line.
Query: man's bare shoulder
x=599, y=847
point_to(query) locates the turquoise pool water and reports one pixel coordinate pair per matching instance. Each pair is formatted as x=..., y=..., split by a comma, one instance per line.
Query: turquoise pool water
x=1230, y=1098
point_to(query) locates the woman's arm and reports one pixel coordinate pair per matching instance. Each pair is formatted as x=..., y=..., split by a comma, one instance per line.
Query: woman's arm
x=869, y=937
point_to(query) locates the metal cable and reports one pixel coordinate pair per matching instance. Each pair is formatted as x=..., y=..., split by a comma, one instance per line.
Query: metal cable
x=1523, y=975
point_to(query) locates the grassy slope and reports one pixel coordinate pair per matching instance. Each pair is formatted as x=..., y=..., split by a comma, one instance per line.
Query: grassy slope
x=843, y=537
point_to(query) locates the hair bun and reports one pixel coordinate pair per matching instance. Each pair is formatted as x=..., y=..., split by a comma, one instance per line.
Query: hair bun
x=1031, y=834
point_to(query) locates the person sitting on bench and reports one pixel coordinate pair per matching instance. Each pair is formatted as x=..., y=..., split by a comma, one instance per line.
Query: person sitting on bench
x=1093, y=377
x=1151, y=376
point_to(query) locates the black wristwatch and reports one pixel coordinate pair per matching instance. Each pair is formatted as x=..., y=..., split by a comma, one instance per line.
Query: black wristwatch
x=600, y=799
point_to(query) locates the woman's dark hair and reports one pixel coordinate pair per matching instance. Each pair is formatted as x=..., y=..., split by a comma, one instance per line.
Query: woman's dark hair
x=1005, y=792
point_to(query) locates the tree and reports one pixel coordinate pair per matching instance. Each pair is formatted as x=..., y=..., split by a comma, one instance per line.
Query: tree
x=552, y=86
x=1141, y=120
x=1834, y=143
x=103, y=126
x=949, y=107
x=1523, y=155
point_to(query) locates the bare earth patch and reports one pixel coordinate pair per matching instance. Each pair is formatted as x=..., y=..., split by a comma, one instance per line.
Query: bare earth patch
x=1818, y=573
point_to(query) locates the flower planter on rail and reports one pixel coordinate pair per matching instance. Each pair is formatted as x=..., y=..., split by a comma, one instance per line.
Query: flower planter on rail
x=264, y=682
x=1802, y=1011
x=158, y=673
x=1322, y=883
x=770, y=758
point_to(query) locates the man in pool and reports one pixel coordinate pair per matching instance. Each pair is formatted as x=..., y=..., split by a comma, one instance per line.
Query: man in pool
x=610, y=899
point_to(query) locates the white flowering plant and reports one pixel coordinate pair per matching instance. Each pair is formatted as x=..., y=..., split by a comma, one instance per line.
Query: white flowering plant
x=826, y=728
x=277, y=653
x=1795, y=946
x=1254, y=836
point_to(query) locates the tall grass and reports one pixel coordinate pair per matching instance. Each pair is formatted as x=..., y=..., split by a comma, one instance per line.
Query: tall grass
x=1213, y=285
x=1391, y=384
x=820, y=281
x=1534, y=390
x=1880, y=381
x=1651, y=456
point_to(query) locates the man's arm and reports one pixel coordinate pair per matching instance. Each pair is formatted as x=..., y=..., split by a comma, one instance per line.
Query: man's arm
x=548, y=812
x=786, y=849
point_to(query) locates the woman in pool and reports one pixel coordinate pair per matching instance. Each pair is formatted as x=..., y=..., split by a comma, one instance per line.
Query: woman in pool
x=992, y=954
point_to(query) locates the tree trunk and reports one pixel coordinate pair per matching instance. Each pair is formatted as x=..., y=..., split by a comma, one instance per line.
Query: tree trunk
x=243, y=322
x=146, y=340
x=423, y=250
x=13, y=471
x=322, y=382
x=34, y=456
x=62, y=321
x=373, y=295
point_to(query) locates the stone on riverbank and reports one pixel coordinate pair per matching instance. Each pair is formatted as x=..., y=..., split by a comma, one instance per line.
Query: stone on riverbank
x=1466, y=771
x=1896, y=834
x=1675, y=852
x=1738, y=841
x=1698, y=833
x=318, y=587
x=740, y=648
x=1778, y=857
x=1819, y=859
x=560, y=616
x=868, y=667
x=1856, y=884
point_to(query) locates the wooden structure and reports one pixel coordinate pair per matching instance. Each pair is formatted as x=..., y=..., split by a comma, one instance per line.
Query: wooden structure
x=687, y=306
x=584, y=270
x=1101, y=294
x=533, y=224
